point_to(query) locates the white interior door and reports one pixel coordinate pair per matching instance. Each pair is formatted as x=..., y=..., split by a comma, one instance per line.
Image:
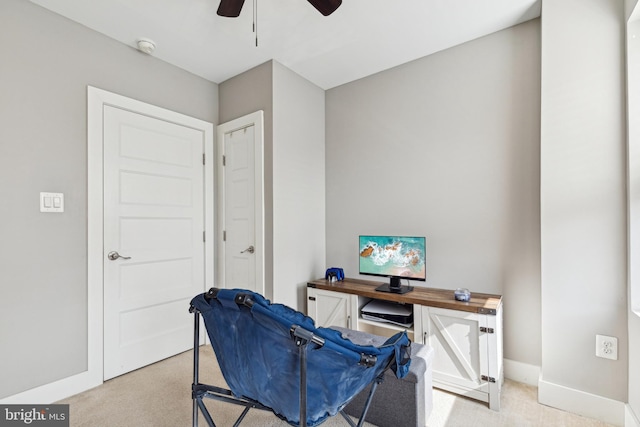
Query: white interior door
x=242, y=204
x=240, y=260
x=154, y=218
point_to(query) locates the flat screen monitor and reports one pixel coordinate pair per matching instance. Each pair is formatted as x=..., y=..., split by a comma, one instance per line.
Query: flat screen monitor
x=395, y=257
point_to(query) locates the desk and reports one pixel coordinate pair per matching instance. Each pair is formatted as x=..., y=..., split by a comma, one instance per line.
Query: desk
x=466, y=336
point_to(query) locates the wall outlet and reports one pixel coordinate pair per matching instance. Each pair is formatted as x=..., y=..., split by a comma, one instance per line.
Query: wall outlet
x=607, y=347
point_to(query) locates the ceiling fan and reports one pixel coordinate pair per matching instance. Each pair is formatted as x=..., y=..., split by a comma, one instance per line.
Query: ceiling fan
x=232, y=8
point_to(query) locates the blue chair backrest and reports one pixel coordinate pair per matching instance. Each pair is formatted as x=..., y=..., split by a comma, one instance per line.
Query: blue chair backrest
x=260, y=360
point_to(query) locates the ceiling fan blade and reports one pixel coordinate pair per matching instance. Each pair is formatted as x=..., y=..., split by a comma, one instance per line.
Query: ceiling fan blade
x=230, y=8
x=326, y=7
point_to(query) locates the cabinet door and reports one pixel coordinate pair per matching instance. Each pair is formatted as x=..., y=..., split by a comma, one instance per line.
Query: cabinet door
x=460, y=357
x=329, y=308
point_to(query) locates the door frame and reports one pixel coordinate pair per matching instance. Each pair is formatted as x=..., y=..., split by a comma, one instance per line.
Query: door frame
x=97, y=99
x=255, y=119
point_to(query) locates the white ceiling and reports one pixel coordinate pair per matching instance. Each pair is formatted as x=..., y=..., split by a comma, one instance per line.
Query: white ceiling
x=361, y=38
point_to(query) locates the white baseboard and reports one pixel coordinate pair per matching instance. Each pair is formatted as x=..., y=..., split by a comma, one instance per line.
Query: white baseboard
x=582, y=403
x=521, y=372
x=630, y=419
x=55, y=391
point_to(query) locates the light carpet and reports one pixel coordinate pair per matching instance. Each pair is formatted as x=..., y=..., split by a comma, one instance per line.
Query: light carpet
x=159, y=395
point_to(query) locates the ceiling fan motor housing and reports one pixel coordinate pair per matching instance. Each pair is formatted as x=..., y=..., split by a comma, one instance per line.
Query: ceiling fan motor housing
x=232, y=8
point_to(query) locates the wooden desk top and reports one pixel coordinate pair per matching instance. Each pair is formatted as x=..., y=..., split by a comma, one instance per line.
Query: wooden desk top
x=443, y=298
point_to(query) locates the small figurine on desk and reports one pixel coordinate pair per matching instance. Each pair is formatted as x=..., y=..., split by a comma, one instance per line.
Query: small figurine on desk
x=462, y=294
x=334, y=274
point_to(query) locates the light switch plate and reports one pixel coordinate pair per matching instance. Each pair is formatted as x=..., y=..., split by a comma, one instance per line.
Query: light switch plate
x=51, y=202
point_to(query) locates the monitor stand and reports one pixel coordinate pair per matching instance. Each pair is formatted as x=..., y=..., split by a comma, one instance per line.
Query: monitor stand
x=394, y=287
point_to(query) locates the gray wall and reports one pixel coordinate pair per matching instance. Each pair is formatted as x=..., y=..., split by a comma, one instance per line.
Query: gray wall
x=447, y=147
x=583, y=224
x=46, y=63
x=298, y=185
x=633, y=116
x=241, y=95
x=294, y=173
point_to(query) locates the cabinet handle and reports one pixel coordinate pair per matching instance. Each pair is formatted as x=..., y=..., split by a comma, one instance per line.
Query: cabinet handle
x=424, y=338
x=349, y=322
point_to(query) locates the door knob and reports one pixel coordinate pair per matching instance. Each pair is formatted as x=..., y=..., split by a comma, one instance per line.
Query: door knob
x=250, y=249
x=113, y=255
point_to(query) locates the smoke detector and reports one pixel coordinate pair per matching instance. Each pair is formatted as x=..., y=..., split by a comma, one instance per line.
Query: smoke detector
x=147, y=46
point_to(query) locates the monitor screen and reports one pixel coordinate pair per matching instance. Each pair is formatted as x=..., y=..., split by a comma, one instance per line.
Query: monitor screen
x=393, y=256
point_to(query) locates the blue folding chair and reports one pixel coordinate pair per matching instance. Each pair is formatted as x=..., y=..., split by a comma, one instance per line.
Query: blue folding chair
x=273, y=357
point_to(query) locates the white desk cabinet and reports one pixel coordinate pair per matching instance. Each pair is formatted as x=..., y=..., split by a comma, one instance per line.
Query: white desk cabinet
x=467, y=352
x=466, y=336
